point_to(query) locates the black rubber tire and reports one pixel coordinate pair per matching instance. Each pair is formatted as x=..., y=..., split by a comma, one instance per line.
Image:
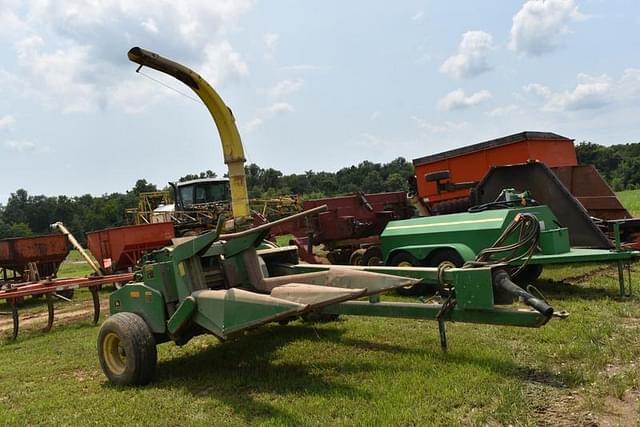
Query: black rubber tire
x=445, y=256
x=337, y=257
x=356, y=257
x=135, y=342
x=372, y=256
x=529, y=275
x=407, y=258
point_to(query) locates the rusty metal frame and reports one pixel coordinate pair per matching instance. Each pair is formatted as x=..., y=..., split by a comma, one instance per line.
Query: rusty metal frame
x=51, y=288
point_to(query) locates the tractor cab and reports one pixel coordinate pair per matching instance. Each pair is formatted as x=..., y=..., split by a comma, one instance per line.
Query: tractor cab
x=201, y=193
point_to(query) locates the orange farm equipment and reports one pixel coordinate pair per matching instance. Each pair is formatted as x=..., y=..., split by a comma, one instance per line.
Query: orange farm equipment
x=118, y=249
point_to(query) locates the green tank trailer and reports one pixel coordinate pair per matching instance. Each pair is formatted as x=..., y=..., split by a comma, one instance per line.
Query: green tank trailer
x=531, y=237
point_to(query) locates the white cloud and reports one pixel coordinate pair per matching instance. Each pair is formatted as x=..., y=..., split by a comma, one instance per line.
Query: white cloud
x=10, y=22
x=590, y=93
x=64, y=73
x=306, y=67
x=418, y=16
x=134, y=96
x=280, y=107
x=185, y=25
x=270, y=41
x=472, y=56
x=375, y=115
x=456, y=100
x=253, y=124
x=7, y=121
x=443, y=127
x=267, y=114
x=285, y=87
x=150, y=25
x=20, y=146
x=370, y=140
x=539, y=26
x=11, y=83
x=222, y=63
x=630, y=83
x=503, y=111
x=72, y=53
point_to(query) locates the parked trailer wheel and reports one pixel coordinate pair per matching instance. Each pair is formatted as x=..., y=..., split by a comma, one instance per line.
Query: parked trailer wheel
x=127, y=350
x=356, y=257
x=405, y=259
x=445, y=258
x=338, y=257
x=372, y=256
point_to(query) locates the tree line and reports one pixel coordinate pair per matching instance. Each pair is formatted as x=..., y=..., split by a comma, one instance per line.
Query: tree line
x=619, y=164
x=26, y=214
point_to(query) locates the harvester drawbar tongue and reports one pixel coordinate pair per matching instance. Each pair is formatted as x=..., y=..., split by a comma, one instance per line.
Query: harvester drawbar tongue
x=224, y=285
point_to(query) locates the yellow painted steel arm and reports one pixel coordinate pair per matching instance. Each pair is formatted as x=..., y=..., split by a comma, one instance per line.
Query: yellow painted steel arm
x=222, y=116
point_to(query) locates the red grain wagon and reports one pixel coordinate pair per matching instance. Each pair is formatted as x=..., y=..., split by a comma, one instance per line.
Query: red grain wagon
x=120, y=248
x=46, y=252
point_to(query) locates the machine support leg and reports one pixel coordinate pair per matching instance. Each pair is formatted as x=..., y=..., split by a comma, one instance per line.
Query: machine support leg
x=96, y=304
x=443, y=335
x=621, y=279
x=629, y=276
x=16, y=320
x=50, y=310
x=310, y=244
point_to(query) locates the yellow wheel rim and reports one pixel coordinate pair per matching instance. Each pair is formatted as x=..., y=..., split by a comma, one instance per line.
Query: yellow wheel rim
x=406, y=264
x=114, y=354
x=446, y=264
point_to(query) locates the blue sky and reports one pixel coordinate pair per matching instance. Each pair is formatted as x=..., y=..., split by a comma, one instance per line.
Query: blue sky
x=313, y=85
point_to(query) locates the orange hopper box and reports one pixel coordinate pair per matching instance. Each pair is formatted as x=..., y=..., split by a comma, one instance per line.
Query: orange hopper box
x=472, y=162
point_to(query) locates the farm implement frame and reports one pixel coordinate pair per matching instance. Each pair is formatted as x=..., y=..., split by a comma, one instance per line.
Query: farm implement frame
x=224, y=285
x=55, y=289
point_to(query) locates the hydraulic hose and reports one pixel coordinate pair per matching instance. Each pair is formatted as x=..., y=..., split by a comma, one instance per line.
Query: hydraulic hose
x=502, y=282
x=528, y=228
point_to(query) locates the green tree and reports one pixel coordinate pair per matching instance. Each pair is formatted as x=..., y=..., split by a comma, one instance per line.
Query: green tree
x=373, y=182
x=20, y=229
x=396, y=182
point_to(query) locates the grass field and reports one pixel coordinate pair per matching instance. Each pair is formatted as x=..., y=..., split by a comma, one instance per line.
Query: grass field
x=631, y=200
x=357, y=371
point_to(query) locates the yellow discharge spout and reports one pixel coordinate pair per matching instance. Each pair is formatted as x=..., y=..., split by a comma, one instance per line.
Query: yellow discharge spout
x=222, y=116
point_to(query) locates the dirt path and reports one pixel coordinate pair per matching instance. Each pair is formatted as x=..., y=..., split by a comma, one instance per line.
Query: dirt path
x=574, y=409
x=63, y=314
x=566, y=407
